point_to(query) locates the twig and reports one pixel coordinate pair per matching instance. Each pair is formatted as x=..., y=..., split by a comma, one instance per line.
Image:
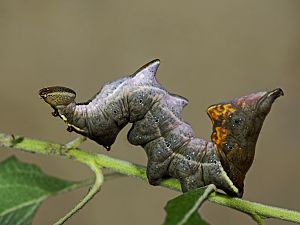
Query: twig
x=258, y=219
x=130, y=169
x=92, y=192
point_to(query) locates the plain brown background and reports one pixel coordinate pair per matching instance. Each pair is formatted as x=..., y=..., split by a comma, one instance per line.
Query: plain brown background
x=210, y=51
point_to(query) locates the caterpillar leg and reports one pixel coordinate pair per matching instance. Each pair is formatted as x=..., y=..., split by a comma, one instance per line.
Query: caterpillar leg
x=191, y=182
x=157, y=170
x=159, y=159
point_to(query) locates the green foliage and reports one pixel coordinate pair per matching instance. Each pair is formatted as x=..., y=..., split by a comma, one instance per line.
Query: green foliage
x=182, y=210
x=23, y=187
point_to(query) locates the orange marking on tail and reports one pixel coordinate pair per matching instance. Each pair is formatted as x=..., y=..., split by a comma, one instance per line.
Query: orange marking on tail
x=219, y=136
x=215, y=112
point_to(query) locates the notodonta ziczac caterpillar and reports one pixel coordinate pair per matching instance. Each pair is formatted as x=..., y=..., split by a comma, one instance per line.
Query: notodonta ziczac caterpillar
x=157, y=126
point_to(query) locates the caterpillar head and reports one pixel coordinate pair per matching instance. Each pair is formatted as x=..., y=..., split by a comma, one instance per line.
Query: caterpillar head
x=57, y=97
x=236, y=126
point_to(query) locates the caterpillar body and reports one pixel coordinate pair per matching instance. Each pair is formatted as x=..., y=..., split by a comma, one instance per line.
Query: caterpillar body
x=169, y=142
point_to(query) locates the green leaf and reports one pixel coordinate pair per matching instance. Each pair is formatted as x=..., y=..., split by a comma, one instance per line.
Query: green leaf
x=183, y=210
x=23, y=187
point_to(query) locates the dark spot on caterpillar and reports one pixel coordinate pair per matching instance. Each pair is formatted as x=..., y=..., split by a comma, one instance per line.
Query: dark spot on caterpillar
x=237, y=121
x=228, y=146
x=157, y=126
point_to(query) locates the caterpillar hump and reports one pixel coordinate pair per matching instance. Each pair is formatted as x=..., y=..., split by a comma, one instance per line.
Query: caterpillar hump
x=170, y=143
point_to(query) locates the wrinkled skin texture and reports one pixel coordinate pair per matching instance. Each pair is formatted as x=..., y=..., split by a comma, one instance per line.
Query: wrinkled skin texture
x=170, y=143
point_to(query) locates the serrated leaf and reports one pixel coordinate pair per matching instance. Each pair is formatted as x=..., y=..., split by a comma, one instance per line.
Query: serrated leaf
x=183, y=210
x=23, y=187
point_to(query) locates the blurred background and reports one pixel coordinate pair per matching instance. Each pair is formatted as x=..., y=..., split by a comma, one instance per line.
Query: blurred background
x=210, y=51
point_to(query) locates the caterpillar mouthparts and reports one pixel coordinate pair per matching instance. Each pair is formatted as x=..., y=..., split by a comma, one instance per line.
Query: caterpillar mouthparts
x=170, y=143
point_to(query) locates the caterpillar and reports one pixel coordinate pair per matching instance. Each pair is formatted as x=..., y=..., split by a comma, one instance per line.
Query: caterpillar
x=169, y=142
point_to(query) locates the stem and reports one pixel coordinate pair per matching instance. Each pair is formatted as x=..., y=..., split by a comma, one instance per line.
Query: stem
x=258, y=219
x=76, y=142
x=130, y=169
x=92, y=192
x=112, y=175
x=254, y=208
